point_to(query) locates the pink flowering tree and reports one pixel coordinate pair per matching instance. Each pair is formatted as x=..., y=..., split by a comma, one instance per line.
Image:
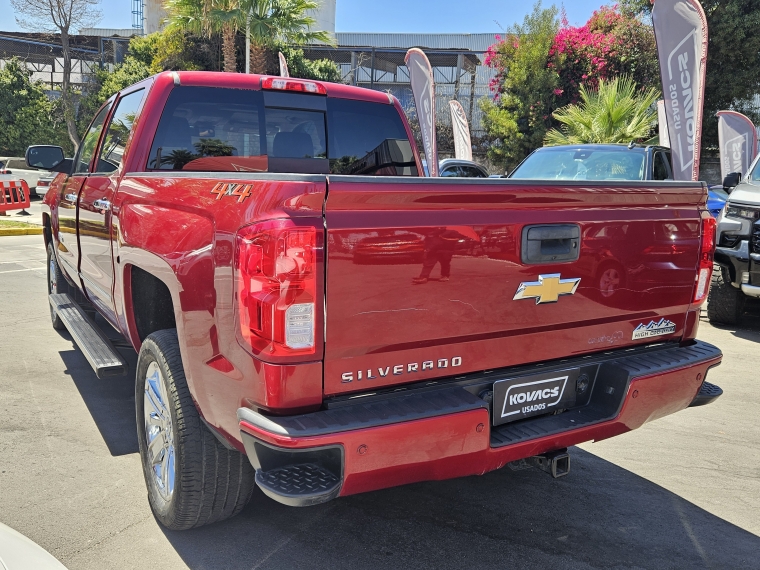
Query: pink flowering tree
x=535, y=76
x=608, y=45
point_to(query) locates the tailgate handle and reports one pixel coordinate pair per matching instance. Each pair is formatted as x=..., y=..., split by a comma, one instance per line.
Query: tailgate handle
x=551, y=243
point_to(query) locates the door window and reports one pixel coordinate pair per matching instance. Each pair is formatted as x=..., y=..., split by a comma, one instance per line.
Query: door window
x=472, y=172
x=451, y=171
x=660, y=168
x=90, y=141
x=112, y=152
x=19, y=164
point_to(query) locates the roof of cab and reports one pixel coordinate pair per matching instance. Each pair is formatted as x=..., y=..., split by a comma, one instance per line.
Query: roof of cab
x=252, y=81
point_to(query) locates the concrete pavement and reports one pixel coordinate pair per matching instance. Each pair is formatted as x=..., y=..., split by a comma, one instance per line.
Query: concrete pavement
x=682, y=492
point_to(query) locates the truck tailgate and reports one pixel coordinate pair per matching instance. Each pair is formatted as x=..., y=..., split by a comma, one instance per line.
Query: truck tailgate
x=632, y=282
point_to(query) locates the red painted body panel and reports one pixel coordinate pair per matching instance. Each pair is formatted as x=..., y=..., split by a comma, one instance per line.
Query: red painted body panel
x=451, y=446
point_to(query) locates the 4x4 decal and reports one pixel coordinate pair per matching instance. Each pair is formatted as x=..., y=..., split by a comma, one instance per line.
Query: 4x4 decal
x=242, y=191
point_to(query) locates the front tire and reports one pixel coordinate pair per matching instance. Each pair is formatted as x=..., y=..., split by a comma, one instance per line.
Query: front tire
x=725, y=303
x=192, y=479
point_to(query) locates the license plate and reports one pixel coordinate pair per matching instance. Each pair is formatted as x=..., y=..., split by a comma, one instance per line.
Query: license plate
x=526, y=396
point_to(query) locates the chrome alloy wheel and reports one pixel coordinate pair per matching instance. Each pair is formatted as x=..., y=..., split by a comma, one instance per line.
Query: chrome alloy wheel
x=53, y=275
x=159, y=433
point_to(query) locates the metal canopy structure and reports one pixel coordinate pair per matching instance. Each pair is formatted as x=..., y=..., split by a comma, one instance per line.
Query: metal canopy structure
x=458, y=73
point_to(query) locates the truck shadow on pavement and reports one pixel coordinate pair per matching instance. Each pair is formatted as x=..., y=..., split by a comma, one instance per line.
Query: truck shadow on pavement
x=111, y=402
x=599, y=516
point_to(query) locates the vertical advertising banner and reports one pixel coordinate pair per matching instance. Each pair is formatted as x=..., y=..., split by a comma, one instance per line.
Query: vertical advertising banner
x=662, y=121
x=283, y=66
x=461, y=131
x=423, y=89
x=737, y=138
x=680, y=28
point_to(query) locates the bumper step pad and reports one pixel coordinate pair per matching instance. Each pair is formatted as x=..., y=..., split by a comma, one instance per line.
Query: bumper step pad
x=708, y=393
x=299, y=485
x=96, y=347
x=609, y=391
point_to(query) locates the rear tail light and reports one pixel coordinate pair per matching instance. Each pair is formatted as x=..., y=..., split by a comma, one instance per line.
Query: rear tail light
x=276, y=267
x=706, y=251
x=43, y=183
x=283, y=84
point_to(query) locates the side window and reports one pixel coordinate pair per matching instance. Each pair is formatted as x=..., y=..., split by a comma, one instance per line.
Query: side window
x=451, y=171
x=90, y=141
x=18, y=163
x=472, y=172
x=660, y=168
x=118, y=131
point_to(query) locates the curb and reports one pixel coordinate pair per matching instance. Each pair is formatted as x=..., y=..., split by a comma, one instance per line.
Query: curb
x=20, y=231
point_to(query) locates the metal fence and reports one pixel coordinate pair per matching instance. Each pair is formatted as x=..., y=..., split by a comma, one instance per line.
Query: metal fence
x=45, y=58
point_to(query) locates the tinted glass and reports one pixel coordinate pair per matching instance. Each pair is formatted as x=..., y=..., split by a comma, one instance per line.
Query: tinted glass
x=296, y=133
x=216, y=129
x=112, y=152
x=472, y=172
x=368, y=138
x=450, y=171
x=18, y=163
x=585, y=164
x=211, y=129
x=90, y=141
x=660, y=171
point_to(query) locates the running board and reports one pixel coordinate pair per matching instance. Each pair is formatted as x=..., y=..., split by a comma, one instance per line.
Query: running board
x=96, y=347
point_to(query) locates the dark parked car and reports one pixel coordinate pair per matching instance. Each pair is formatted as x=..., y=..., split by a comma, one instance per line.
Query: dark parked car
x=458, y=168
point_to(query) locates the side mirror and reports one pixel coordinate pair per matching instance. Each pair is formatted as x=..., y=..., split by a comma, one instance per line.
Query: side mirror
x=731, y=180
x=46, y=157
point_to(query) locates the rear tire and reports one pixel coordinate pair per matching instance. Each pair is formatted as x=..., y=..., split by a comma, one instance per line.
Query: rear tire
x=725, y=303
x=192, y=479
x=56, y=284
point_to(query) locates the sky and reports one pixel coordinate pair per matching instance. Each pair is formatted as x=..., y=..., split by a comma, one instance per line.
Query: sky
x=442, y=16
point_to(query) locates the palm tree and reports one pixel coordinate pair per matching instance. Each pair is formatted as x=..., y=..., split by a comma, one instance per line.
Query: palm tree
x=616, y=112
x=205, y=17
x=269, y=20
x=285, y=21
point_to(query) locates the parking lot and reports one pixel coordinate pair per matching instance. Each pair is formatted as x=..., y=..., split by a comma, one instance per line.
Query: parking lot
x=682, y=492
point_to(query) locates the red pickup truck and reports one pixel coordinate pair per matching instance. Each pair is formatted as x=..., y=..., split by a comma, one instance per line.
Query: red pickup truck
x=315, y=318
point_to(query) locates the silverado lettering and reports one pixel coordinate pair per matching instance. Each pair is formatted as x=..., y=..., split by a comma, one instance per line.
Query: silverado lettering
x=399, y=369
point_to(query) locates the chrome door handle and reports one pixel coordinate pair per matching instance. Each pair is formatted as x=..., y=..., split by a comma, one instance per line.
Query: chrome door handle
x=71, y=198
x=102, y=204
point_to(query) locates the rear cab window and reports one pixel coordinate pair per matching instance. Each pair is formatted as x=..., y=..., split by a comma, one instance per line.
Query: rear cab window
x=230, y=130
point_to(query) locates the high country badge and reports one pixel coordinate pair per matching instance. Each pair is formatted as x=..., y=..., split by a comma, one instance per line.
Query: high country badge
x=661, y=327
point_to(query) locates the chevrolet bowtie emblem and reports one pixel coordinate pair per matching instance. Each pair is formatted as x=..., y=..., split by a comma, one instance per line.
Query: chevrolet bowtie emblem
x=547, y=289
